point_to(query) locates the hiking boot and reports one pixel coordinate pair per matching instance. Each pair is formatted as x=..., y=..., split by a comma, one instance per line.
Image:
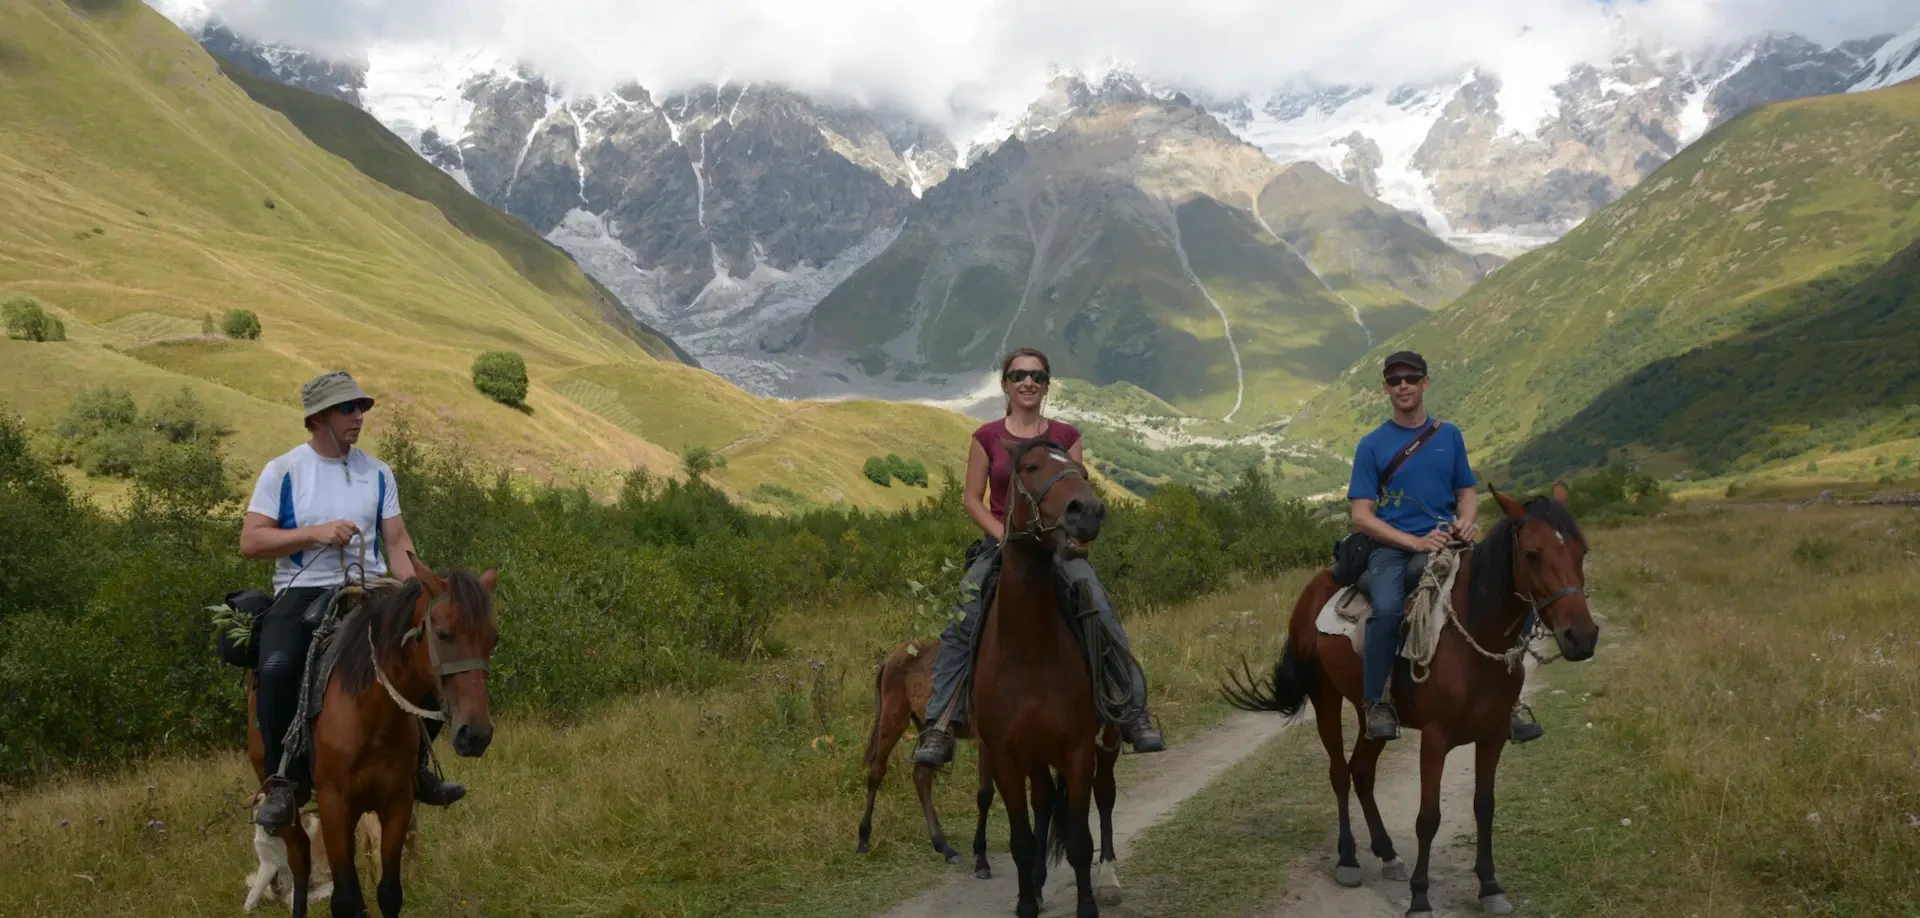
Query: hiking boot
x=1523, y=727
x=1382, y=722
x=936, y=748
x=277, y=810
x=1141, y=734
x=428, y=788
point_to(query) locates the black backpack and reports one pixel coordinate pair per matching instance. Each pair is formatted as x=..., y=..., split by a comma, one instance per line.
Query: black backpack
x=250, y=606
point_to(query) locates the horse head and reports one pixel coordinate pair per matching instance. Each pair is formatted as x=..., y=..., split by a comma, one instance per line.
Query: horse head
x=455, y=620
x=1546, y=554
x=1053, y=503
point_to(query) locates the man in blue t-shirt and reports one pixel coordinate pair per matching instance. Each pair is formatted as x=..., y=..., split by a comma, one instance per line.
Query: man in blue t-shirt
x=1428, y=502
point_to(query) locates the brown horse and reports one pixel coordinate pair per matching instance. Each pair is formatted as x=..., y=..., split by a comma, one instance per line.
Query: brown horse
x=1033, y=703
x=900, y=693
x=365, y=746
x=1530, y=566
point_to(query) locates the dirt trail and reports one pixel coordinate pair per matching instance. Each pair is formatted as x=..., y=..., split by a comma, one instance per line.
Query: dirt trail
x=1454, y=890
x=1163, y=780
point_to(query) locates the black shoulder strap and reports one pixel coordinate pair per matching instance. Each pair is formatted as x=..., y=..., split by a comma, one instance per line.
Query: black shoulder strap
x=1407, y=452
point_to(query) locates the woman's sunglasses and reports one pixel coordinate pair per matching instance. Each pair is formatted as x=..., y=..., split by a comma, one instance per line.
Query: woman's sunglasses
x=1039, y=377
x=1411, y=379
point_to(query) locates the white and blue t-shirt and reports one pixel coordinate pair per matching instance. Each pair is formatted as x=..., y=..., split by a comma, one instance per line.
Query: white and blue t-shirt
x=304, y=488
x=1420, y=495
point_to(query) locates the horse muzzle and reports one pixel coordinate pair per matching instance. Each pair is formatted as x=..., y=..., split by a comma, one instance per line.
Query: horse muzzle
x=1577, y=644
x=1081, y=522
x=471, y=741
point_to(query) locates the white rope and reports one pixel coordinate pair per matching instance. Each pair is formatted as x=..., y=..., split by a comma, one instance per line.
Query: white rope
x=404, y=704
x=1428, y=611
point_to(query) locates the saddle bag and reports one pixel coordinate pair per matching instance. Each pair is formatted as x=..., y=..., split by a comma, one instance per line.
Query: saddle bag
x=238, y=645
x=1350, y=556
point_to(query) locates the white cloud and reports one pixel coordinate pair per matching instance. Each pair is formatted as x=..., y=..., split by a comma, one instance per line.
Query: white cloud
x=949, y=62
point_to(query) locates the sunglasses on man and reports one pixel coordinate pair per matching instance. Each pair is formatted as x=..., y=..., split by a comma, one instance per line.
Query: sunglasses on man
x=350, y=409
x=1411, y=379
x=1039, y=377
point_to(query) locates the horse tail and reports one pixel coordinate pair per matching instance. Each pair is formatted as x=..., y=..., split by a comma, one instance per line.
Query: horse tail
x=1057, y=845
x=1293, y=676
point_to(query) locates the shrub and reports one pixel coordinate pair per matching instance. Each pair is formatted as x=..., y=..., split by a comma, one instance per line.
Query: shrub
x=697, y=461
x=241, y=324
x=501, y=376
x=1616, y=493
x=104, y=433
x=878, y=471
x=26, y=320
x=907, y=471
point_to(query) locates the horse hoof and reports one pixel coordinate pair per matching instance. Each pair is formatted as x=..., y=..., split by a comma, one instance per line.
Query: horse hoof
x=1396, y=870
x=1496, y=904
x=1347, y=875
x=984, y=873
x=953, y=858
x=1106, y=886
x=862, y=849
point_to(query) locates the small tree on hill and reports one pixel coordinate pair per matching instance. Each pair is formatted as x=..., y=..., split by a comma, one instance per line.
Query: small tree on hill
x=241, y=324
x=26, y=320
x=501, y=376
x=699, y=460
x=878, y=471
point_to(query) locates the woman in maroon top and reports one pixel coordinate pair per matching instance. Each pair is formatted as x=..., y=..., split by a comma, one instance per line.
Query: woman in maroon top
x=1025, y=376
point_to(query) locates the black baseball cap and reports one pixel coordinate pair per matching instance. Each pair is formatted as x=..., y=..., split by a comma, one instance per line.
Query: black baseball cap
x=1405, y=358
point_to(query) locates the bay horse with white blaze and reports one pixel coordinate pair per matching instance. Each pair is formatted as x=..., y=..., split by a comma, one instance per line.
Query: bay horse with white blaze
x=429, y=636
x=1033, y=705
x=1528, y=572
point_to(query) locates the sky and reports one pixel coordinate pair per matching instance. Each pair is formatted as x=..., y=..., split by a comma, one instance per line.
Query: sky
x=952, y=60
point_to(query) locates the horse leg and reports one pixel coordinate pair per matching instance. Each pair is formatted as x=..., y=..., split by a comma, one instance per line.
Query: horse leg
x=394, y=822
x=1014, y=794
x=923, y=786
x=983, y=798
x=1433, y=761
x=1045, y=798
x=888, y=724
x=1326, y=716
x=1486, y=759
x=1077, y=799
x=337, y=819
x=300, y=863
x=1106, y=884
x=1364, y=767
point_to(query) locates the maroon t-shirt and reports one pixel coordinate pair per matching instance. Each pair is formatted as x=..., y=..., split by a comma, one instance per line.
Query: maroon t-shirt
x=1000, y=468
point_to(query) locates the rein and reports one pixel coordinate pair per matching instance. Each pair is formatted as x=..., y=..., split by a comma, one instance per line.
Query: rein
x=442, y=671
x=1523, y=645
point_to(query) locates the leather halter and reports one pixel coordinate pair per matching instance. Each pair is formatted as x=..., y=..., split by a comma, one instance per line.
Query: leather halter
x=1538, y=606
x=1034, y=530
x=443, y=671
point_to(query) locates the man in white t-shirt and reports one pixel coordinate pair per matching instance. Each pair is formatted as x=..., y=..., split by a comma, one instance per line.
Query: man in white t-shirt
x=316, y=507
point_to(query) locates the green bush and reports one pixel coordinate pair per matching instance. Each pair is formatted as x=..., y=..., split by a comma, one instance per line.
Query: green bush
x=1614, y=494
x=241, y=324
x=664, y=588
x=878, y=471
x=26, y=320
x=907, y=471
x=501, y=376
x=104, y=433
x=697, y=461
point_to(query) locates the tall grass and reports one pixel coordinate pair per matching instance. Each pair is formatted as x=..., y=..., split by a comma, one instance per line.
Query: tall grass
x=1749, y=748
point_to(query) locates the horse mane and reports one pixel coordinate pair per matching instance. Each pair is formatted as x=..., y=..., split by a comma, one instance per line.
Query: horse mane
x=387, y=615
x=1019, y=448
x=1491, y=581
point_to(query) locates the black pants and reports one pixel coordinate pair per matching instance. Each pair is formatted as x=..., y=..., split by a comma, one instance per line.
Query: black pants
x=284, y=636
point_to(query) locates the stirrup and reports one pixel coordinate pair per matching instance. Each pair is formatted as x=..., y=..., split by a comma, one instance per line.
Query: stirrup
x=280, y=796
x=1143, y=735
x=1523, y=730
x=935, y=749
x=1374, y=728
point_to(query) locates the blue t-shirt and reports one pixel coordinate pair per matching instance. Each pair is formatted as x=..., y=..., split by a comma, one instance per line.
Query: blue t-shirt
x=1420, y=495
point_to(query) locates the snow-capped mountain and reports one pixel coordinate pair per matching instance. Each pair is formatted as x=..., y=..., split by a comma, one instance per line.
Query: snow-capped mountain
x=1897, y=61
x=1490, y=164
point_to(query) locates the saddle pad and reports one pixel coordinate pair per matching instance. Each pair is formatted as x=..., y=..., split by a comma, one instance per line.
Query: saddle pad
x=1346, y=613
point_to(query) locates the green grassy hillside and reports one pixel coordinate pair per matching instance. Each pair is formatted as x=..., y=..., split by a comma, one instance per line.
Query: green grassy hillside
x=141, y=190
x=1747, y=304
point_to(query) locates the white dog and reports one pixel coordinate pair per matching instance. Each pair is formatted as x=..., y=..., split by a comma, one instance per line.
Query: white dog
x=274, y=877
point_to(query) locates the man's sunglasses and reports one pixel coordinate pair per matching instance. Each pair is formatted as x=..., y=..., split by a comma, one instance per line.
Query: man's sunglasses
x=1411, y=379
x=352, y=408
x=1039, y=377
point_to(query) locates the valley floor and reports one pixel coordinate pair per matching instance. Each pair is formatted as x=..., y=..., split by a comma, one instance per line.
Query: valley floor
x=1740, y=745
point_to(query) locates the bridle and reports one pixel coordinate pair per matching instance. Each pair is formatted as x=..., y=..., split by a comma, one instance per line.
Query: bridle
x=443, y=672
x=1034, y=530
x=1534, y=605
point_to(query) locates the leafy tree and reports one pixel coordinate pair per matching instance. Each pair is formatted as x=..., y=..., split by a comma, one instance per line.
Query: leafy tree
x=501, y=376
x=241, y=324
x=26, y=320
x=699, y=460
x=878, y=471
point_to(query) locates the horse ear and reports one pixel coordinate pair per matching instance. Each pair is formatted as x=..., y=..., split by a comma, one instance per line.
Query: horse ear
x=1561, y=494
x=428, y=578
x=1511, y=507
x=491, y=577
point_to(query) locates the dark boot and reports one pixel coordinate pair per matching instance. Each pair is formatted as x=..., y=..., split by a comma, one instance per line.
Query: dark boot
x=276, y=812
x=428, y=788
x=1142, y=735
x=936, y=748
x=1382, y=722
x=1524, y=728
